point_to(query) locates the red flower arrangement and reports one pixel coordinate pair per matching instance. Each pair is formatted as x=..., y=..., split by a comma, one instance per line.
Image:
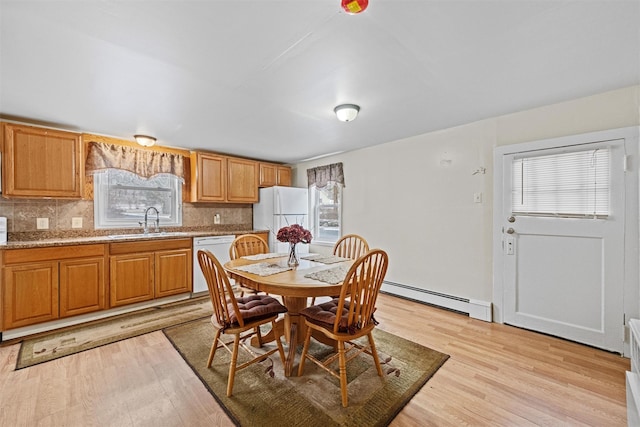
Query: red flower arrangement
x=294, y=234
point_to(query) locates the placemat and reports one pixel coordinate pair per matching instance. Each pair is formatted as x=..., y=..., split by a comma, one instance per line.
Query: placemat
x=264, y=268
x=325, y=259
x=332, y=275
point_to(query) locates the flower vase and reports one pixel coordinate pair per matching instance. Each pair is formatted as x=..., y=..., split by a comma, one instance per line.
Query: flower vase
x=293, y=256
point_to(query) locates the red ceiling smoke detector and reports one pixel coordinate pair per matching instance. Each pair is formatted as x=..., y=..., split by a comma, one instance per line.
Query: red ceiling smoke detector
x=354, y=6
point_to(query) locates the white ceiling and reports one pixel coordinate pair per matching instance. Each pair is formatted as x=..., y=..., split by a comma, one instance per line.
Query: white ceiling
x=261, y=78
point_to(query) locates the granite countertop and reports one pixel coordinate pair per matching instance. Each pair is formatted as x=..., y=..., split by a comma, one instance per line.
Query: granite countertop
x=87, y=237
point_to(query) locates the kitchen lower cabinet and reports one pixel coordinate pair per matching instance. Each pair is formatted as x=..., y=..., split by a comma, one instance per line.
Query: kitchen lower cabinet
x=173, y=272
x=30, y=294
x=131, y=278
x=144, y=270
x=82, y=286
x=264, y=236
x=43, y=284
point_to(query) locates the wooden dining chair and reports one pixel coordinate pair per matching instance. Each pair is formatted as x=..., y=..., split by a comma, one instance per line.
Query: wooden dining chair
x=349, y=246
x=239, y=317
x=355, y=305
x=247, y=244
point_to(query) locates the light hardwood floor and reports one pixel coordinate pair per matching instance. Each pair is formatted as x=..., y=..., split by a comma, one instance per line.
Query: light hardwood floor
x=497, y=376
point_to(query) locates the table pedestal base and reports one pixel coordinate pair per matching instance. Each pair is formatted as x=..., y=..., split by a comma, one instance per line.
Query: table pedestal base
x=294, y=329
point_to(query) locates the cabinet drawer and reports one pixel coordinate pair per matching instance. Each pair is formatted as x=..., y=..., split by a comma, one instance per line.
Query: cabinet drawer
x=17, y=256
x=148, y=246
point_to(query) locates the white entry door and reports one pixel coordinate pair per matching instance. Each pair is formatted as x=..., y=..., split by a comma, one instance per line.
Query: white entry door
x=563, y=273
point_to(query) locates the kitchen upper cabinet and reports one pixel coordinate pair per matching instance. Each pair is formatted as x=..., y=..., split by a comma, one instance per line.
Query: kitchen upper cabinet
x=141, y=271
x=268, y=174
x=216, y=178
x=273, y=174
x=242, y=180
x=208, y=177
x=284, y=176
x=42, y=284
x=41, y=162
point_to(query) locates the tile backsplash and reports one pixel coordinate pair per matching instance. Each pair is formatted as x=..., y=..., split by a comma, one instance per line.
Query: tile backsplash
x=22, y=214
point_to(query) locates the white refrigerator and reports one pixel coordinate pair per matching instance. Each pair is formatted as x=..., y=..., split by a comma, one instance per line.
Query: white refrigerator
x=279, y=207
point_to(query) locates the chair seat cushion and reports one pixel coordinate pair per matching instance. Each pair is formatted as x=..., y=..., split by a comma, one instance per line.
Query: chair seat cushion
x=325, y=314
x=254, y=307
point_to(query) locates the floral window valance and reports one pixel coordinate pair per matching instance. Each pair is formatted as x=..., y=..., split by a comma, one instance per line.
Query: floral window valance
x=145, y=163
x=322, y=175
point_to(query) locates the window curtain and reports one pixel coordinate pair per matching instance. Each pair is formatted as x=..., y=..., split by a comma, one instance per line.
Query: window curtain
x=322, y=175
x=145, y=163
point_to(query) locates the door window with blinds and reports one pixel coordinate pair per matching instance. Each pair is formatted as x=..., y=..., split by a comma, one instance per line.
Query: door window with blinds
x=569, y=184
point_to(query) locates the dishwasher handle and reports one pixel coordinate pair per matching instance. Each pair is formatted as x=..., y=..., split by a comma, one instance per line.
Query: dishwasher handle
x=213, y=240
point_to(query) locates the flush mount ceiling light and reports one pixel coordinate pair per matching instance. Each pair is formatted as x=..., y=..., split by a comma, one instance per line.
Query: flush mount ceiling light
x=354, y=6
x=145, y=140
x=346, y=112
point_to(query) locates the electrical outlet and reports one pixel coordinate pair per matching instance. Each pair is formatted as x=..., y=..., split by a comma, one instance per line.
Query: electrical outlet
x=42, y=223
x=76, y=222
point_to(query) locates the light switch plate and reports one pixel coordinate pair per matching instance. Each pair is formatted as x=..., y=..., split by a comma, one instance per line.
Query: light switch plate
x=42, y=223
x=76, y=222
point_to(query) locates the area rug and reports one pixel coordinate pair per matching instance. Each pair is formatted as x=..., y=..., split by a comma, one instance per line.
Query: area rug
x=313, y=399
x=78, y=338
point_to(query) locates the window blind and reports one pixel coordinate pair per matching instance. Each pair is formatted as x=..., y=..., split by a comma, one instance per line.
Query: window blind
x=565, y=184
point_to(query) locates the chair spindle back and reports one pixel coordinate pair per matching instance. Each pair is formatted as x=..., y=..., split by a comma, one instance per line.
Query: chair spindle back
x=351, y=246
x=247, y=244
x=220, y=289
x=360, y=290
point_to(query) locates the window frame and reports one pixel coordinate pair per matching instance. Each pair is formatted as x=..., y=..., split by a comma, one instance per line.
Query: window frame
x=572, y=182
x=314, y=220
x=100, y=202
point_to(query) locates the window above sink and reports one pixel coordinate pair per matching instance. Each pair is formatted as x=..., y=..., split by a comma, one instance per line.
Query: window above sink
x=121, y=198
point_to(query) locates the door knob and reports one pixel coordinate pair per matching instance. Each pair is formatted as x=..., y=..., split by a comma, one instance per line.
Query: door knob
x=511, y=219
x=510, y=230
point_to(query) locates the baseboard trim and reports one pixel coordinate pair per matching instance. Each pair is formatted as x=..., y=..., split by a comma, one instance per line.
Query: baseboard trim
x=83, y=318
x=476, y=309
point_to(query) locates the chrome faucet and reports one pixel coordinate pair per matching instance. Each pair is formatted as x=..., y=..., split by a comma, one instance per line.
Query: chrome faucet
x=146, y=218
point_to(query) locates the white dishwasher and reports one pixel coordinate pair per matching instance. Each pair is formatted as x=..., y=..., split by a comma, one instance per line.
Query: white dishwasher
x=218, y=246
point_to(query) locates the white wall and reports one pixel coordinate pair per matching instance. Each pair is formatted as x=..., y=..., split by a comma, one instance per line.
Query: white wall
x=414, y=197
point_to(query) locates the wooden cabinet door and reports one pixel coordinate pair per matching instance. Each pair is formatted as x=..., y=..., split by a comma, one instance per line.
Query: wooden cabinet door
x=284, y=176
x=131, y=278
x=41, y=162
x=208, y=178
x=264, y=236
x=30, y=294
x=82, y=286
x=242, y=180
x=268, y=175
x=173, y=271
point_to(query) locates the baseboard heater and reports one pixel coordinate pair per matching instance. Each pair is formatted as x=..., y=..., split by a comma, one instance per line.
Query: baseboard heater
x=474, y=308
